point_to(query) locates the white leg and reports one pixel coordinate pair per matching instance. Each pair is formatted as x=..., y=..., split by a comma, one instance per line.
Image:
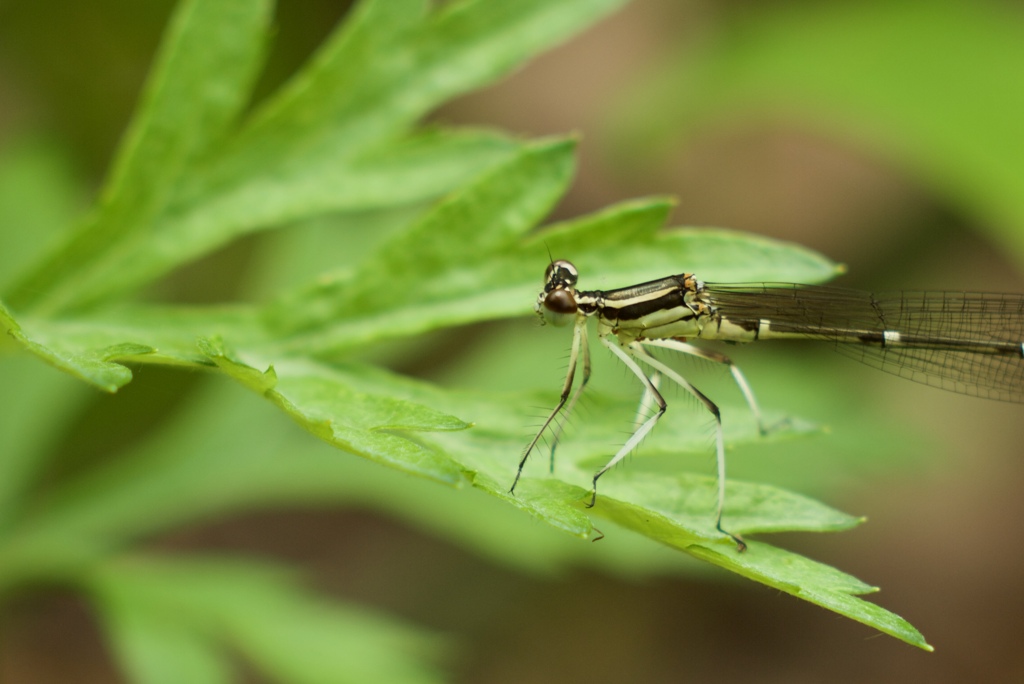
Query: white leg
x=560, y=427
x=643, y=411
x=641, y=354
x=741, y=381
x=644, y=428
x=579, y=339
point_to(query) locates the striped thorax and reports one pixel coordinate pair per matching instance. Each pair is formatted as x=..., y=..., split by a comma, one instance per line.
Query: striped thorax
x=676, y=306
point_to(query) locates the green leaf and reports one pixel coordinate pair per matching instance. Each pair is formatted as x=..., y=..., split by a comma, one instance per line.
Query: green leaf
x=200, y=608
x=92, y=364
x=225, y=449
x=440, y=258
x=200, y=82
x=364, y=423
x=675, y=512
x=877, y=73
x=330, y=140
x=96, y=349
x=682, y=503
x=814, y=582
x=470, y=259
x=141, y=494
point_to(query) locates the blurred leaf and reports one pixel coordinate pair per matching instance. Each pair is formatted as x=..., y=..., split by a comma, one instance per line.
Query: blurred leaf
x=42, y=399
x=330, y=140
x=38, y=198
x=154, y=650
x=346, y=114
x=198, y=85
x=178, y=615
x=930, y=84
x=141, y=493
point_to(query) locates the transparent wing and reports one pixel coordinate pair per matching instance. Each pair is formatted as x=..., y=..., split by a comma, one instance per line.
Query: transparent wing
x=938, y=323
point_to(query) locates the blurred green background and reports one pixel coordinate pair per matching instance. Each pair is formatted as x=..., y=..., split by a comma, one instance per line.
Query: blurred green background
x=886, y=135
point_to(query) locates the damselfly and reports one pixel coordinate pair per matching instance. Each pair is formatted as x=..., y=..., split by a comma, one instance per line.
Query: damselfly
x=966, y=342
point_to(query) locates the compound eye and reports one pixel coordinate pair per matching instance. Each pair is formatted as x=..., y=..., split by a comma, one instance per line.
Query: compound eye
x=561, y=271
x=560, y=302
